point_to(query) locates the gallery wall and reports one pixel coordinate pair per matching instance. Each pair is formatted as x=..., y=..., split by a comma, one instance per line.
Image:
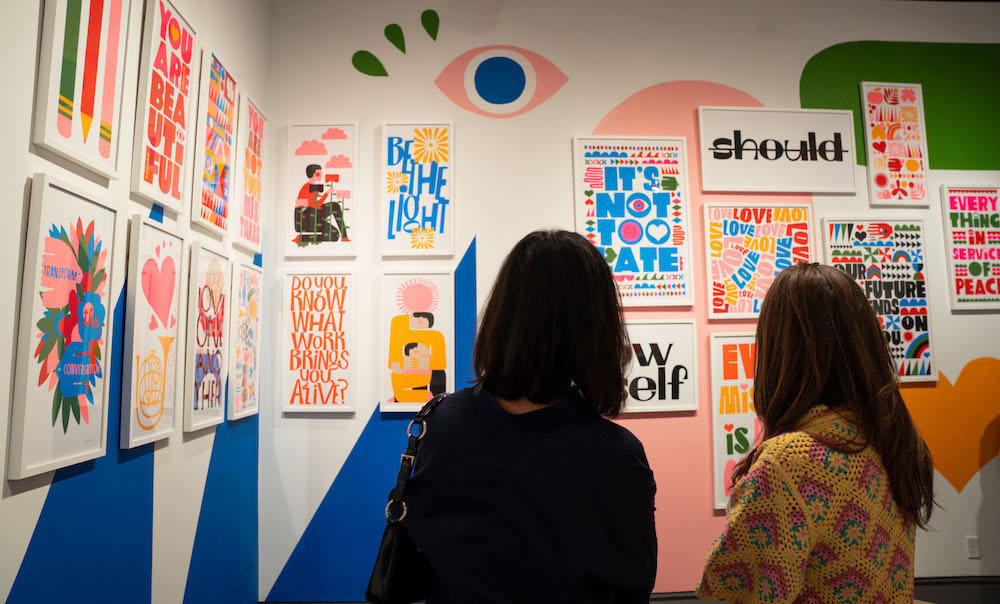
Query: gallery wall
x=170, y=521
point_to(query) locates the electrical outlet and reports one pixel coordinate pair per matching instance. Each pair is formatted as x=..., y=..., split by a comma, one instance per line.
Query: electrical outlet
x=972, y=544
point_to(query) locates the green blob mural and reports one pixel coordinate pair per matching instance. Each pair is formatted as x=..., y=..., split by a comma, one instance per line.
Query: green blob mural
x=960, y=87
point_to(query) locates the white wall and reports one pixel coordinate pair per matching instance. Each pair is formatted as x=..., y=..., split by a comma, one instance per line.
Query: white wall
x=239, y=31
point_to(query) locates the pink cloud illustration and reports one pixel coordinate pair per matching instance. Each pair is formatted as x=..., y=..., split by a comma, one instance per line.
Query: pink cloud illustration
x=311, y=147
x=343, y=193
x=339, y=161
x=334, y=134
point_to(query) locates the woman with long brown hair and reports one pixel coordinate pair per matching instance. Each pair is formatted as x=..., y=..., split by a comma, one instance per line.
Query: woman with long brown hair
x=825, y=508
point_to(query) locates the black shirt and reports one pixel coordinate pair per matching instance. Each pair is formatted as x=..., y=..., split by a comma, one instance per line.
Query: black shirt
x=554, y=505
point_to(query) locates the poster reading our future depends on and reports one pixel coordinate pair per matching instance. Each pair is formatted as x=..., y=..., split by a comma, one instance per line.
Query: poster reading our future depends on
x=896, y=144
x=746, y=246
x=631, y=201
x=972, y=240
x=161, y=168
x=735, y=427
x=887, y=259
x=318, y=342
x=662, y=375
x=416, y=190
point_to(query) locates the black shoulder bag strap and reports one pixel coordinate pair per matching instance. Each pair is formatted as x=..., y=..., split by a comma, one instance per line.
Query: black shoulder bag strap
x=400, y=573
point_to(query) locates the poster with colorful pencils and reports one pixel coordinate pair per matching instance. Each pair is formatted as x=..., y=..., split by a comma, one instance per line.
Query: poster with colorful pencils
x=215, y=151
x=80, y=78
x=161, y=164
x=246, y=223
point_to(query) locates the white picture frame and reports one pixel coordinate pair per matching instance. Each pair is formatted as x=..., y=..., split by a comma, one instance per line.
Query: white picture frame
x=426, y=246
x=246, y=226
x=244, y=341
x=45, y=384
x=152, y=312
x=735, y=427
x=869, y=125
x=177, y=197
x=647, y=333
x=777, y=174
x=206, y=413
x=951, y=236
x=77, y=128
x=306, y=393
x=663, y=294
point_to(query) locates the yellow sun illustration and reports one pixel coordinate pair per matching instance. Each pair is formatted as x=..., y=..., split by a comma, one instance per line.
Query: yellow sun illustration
x=430, y=145
x=395, y=180
x=422, y=238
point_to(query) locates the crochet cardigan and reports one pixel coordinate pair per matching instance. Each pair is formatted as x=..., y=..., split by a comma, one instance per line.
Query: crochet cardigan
x=811, y=525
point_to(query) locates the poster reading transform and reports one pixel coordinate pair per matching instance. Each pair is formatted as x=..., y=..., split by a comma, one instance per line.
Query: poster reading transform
x=215, y=159
x=318, y=335
x=416, y=190
x=896, y=144
x=208, y=342
x=418, y=311
x=746, y=247
x=886, y=258
x=251, y=134
x=972, y=239
x=662, y=375
x=631, y=201
x=244, y=379
x=735, y=427
x=161, y=169
x=317, y=207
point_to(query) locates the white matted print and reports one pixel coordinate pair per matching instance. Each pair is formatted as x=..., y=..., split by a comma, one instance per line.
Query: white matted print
x=164, y=118
x=318, y=339
x=735, y=427
x=212, y=198
x=631, y=201
x=663, y=375
x=418, y=335
x=895, y=144
x=71, y=281
x=972, y=242
x=318, y=216
x=152, y=366
x=780, y=150
x=416, y=189
x=80, y=81
x=244, y=370
x=246, y=222
x=207, y=364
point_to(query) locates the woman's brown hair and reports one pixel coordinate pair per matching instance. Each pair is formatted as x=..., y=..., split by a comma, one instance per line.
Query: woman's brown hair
x=819, y=342
x=554, y=320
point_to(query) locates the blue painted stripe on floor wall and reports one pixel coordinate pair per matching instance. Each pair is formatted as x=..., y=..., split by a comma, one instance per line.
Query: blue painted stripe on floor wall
x=94, y=538
x=223, y=565
x=333, y=559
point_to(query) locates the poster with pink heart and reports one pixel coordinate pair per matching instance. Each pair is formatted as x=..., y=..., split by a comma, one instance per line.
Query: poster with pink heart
x=630, y=200
x=896, y=144
x=152, y=333
x=735, y=427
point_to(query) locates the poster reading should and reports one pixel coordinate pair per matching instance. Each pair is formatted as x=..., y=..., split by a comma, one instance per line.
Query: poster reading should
x=663, y=375
x=896, y=144
x=735, y=427
x=631, y=201
x=746, y=247
x=886, y=258
x=318, y=334
x=972, y=239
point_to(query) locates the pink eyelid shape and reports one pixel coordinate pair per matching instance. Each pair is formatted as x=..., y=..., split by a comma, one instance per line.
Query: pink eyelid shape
x=549, y=79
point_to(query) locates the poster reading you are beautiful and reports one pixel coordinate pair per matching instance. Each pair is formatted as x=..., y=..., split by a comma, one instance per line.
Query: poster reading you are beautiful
x=735, y=427
x=631, y=201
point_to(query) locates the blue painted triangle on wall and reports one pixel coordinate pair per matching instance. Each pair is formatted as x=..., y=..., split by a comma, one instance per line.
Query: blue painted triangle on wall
x=94, y=538
x=333, y=559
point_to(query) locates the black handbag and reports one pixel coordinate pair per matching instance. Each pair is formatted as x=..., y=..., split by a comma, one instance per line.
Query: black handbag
x=400, y=575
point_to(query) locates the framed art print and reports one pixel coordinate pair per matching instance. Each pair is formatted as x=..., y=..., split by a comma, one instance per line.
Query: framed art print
x=418, y=338
x=246, y=223
x=244, y=371
x=895, y=144
x=663, y=375
x=165, y=112
x=153, y=365
x=417, y=189
x=80, y=80
x=735, y=427
x=631, y=201
x=972, y=244
x=71, y=282
x=213, y=193
x=207, y=362
x=317, y=207
x=318, y=334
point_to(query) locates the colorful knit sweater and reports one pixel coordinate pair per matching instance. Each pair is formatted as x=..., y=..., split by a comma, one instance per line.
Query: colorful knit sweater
x=811, y=525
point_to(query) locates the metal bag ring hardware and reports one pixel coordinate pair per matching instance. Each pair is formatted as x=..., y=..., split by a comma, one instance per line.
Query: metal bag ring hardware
x=388, y=514
x=423, y=428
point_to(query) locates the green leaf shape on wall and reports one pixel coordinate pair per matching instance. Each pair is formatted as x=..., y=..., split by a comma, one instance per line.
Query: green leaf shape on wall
x=431, y=22
x=394, y=34
x=368, y=64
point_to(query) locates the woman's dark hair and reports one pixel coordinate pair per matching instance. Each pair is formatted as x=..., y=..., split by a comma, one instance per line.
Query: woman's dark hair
x=819, y=342
x=554, y=319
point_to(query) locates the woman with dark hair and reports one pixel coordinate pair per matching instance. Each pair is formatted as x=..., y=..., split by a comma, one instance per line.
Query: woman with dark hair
x=826, y=508
x=522, y=491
